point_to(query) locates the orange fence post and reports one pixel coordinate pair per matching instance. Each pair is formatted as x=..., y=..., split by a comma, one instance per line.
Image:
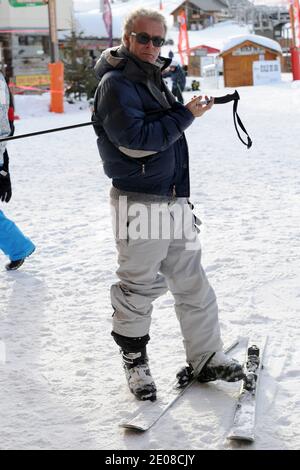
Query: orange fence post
x=56, y=87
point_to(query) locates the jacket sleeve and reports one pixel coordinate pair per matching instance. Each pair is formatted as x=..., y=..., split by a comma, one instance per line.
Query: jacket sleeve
x=4, y=122
x=121, y=113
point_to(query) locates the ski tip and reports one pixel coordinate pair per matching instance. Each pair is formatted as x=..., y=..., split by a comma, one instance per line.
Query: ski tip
x=241, y=437
x=132, y=427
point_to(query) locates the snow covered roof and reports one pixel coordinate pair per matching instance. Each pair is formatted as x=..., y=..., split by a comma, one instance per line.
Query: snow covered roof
x=207, y=5
x=261, y=40
x=210, y=50
x=213, y=36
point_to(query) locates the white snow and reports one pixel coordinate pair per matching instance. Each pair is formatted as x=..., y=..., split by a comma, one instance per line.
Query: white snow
x=61, y=381
x=261, y=40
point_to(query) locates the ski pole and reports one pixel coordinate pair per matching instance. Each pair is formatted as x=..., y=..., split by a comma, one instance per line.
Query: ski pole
x=218, y=100
x=32, y=134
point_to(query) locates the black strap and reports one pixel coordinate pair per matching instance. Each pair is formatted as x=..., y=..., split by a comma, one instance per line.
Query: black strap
x=236, y=118
x=5, y=161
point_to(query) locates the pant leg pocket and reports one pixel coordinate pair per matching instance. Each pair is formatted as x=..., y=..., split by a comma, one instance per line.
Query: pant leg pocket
x=197, y=221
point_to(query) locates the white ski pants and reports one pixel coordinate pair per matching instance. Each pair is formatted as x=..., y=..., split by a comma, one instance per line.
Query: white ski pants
x=151, y=261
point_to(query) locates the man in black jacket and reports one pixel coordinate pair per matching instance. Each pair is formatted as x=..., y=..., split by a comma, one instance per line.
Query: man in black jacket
x=140, y=128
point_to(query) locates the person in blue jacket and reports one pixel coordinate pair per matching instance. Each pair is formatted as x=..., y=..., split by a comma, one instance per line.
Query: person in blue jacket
x=12, y=241
x=140, y=128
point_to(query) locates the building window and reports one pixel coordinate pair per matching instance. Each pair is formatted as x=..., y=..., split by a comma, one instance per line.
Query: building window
x=30, y=40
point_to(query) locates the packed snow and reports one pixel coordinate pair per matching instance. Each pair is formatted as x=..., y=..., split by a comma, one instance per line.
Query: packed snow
x=61, y=381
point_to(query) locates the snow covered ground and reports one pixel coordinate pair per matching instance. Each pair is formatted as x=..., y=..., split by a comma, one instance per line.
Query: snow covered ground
x=61, y=381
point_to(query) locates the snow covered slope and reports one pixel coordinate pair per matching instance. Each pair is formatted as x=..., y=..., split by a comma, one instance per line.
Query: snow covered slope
x=61, y=381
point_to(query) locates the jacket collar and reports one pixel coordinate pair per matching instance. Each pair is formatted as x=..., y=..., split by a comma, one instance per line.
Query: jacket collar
x=139, y=71
x=149, y=74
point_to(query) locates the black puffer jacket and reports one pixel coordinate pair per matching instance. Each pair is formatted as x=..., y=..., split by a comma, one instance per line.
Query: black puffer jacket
x=140, y=126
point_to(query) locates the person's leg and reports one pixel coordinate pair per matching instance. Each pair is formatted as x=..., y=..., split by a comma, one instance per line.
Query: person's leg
x=140, y=284
x=139, y=258
x=175, y=90
x=195, y=301
x=179, y=94
x=12, y=241
x=136, y=367
x=196, y=307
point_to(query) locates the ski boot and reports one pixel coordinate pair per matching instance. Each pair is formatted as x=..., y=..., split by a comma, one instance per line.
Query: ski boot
x=221, y=367
x=138, y=375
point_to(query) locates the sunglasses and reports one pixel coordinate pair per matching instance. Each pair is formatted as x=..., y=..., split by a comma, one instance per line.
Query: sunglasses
x=144, y=38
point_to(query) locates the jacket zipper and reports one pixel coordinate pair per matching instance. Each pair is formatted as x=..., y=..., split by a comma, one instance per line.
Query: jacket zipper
x=143, y=169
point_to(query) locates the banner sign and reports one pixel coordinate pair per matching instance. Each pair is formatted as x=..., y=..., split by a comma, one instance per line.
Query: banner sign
x=266, y=71
x=248, y=50
x=27, y=3
x=32, y=80
x=107, y=18
x=295, y=17
x=183, y=40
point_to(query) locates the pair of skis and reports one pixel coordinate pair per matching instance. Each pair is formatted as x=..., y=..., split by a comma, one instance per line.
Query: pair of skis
x=243, y=424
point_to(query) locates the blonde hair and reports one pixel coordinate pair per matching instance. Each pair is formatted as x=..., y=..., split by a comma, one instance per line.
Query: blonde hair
x=141, y=13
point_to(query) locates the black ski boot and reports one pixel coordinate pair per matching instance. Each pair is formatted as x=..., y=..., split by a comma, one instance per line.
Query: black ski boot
x=136, y=367
x=221, y=367
x=218, y=367
x=138, y=375
x=13, y=265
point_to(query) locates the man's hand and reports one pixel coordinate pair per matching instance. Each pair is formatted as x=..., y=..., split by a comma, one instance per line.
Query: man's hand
x=5, y=186
x=198, y=107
